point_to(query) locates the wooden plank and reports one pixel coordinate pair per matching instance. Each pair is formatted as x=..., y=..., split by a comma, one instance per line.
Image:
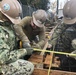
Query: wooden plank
x=52, y=72
x=49, y=58
x=37, y=60
x=40, y=72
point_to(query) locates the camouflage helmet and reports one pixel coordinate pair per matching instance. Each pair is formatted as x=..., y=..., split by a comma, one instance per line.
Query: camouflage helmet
x=11, y=9
x=39, y=17
x=69, y=12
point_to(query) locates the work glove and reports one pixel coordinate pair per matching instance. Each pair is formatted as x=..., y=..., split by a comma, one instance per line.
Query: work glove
x=28, y=48
x=49, y=46
x=36, y=46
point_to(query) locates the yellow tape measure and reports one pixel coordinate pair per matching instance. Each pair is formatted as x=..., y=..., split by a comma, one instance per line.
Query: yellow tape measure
x=50, y=51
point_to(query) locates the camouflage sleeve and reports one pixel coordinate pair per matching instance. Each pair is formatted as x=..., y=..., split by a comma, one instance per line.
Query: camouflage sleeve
x=42, y=37
x=7, y=55
x=19, y=28
x=73, y=43
x=3, y=46
x=19, y=67
x=57, y=32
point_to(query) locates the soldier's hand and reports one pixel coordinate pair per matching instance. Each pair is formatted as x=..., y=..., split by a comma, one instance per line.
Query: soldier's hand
x=26, y=45
x=49, y=46
x=29, y=51
x=73, y=54
x=28, y=48
x=36, y=46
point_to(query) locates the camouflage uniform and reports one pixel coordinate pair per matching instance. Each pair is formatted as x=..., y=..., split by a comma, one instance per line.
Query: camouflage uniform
x=62, y=38
x=37, y=35
x=9, y=53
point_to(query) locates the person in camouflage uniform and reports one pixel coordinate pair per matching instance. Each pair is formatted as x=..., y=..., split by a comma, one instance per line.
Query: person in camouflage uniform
x=11, y=62
x=64, y=36
x=31, y=30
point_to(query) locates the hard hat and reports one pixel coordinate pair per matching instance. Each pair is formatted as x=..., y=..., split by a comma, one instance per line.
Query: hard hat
x=11, y=9
x=69, y=12
x=50, y=15
x=39, y=17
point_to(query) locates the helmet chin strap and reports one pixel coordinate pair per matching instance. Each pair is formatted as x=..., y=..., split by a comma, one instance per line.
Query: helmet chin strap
x=33, y=25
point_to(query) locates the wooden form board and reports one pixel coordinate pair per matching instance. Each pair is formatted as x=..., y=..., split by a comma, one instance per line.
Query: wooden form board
x=52, y=72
